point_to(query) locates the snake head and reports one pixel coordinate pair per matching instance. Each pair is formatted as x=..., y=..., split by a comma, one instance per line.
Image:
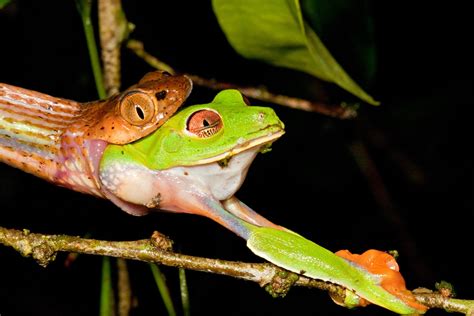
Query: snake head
x=135, y=112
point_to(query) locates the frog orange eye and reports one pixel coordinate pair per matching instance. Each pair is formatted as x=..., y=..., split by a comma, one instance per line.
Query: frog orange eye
x=204, y=123
x=137, y=108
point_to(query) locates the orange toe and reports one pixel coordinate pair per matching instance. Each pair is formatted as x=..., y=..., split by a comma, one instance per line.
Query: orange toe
x=386, y=268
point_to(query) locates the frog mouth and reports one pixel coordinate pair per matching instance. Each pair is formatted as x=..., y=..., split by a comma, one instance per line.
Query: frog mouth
x=244, y=145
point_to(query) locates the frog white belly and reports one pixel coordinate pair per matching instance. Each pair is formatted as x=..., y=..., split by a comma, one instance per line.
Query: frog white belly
x=174, y=189
x=221, y=180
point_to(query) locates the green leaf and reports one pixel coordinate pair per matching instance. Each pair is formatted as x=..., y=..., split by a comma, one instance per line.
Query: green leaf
x=3, y=3
x=347, y=29
x=274, y=31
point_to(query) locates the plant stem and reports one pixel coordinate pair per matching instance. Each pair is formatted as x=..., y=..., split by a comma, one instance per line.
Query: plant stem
x=164, y=292
x=106, y=305
x=84, y=7
x=183, y=286
x=124, y=288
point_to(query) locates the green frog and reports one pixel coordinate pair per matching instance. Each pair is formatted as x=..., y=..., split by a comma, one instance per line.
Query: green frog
x=196, y=162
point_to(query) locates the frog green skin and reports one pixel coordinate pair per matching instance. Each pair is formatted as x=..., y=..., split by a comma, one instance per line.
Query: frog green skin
x=196, y=162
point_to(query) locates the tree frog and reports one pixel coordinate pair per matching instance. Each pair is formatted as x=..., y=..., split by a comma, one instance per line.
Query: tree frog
x=197, y=160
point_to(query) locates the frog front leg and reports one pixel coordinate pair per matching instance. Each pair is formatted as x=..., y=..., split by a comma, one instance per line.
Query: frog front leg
x=242, y=211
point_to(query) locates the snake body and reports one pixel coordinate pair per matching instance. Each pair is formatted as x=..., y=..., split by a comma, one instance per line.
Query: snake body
x=62, y=141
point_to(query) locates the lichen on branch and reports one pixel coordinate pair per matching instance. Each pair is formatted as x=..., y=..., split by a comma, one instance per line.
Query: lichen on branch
x=44, y=248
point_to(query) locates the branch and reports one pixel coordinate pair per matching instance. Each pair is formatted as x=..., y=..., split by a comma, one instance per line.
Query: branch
x=113, y=29
x=437, y=300
x=124, y=288
x=157, y=249
x=342, y=111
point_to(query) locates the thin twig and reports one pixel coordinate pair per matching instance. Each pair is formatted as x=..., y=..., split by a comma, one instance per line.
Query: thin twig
x=124, y=288
x=258, y=93
x=262, y=94
x=449, y=304
x=138, y=48
x=113, y=28
x=43, y=248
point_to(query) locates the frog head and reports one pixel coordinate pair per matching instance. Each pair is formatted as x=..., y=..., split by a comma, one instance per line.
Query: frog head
x=194, y=163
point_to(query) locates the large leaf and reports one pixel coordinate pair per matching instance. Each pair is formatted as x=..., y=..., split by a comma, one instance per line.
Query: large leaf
x=274, y=31
x=3, y=3
x=347, y=29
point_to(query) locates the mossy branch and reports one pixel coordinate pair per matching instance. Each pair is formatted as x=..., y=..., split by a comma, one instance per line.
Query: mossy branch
x=157, y=249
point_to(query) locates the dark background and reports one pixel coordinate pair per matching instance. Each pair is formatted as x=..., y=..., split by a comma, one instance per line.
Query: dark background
x=419, y=140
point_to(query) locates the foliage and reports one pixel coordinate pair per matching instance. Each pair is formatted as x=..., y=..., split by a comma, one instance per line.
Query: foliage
x=276, y=32
x=3, y=3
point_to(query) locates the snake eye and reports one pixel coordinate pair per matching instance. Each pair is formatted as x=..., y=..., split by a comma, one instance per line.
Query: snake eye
x=204, y=123
x=137, y=108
